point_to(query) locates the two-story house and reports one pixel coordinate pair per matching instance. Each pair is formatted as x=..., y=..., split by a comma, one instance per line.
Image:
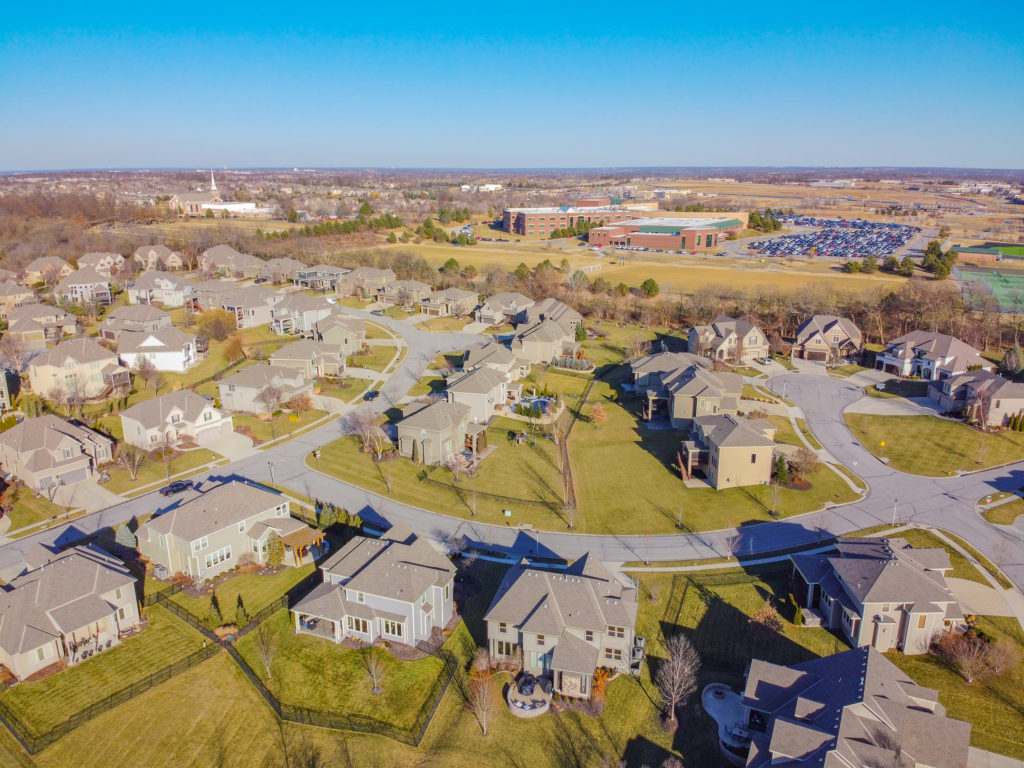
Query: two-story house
x=349, y=333
x=508, y=307
x=553, y=309
x=46, y=451
x=78, y=367
x=431, y=433
x=252, y=305
x=66, y=608
x=981, y=396
x=451, y=302
x=545, y=341
x=313, y=358
x=396, y=588
x=280, y=270
x=878, y=592
x=827, y=339
x=161, y=288
x=483, y=389
x=157, y=257
x=298, y=313
x=564, y=624
x=730, y=451
x=363, y=281
x=106, y=264
x=225, y=260
x=13, y=296
x=224, y=527
x=167, y=349
x=46, y=269
x=171, y=418
x=262, y=388
x=682, y=394
x=498, y=357
x=212, y=294
x=728, y=340
x=319, y=277
x=36, y=325
x=929, y=355
x=85, y=285
x=403, y=293
x=132, y=318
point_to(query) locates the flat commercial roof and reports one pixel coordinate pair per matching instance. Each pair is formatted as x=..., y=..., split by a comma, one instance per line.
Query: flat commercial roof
x=682, y=223
x=571, y=209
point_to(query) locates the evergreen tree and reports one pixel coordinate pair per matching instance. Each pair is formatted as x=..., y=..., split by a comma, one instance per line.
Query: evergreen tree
x=522, y=271
x=780, y=472
x=365, y=209
x=650, y=288
x=275, y=550
x=907, y=267
x=241, y=616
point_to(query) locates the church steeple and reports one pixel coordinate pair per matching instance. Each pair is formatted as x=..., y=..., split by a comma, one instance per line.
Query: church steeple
x=213, y=184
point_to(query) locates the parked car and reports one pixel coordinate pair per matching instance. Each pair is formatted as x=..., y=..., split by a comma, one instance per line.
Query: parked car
x=178, y=486
x=371, y=395
x=378, y=312
x=763, y=360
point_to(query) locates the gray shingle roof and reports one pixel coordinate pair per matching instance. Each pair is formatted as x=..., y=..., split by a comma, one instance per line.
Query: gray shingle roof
x=214, y=510
x=437, y=416
x=83, y=276
x=935, y=346
x=824, y=325
x=727, y=431
x=478, y=381
x=47, y=431
x=155, y=412
x=166, y=338
x=79, y=350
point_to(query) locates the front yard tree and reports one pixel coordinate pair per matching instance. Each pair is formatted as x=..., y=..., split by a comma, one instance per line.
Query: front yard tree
x=271, y=398
x=676, y=677
x=275, y=550
x=373, y=663
x=766, y=620
x=131, y=458
x=598, y=414
x=301, y=403
x=780, y=470
x=804, y=461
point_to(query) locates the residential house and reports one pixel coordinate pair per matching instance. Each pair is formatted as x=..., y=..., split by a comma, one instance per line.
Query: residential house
x=161, y=288
x=280, y=270
x=45, y=452
x=158, y=257
x=225, y=260
x=432, y=433
x=313, y=358
x=854, y=709
x=13, y=296
x=483, y=389
x=106, y=264
x=827, y=339
x=298, y=313
x=85, y=285
x=451, y=302
x=252, y=305
x=403, y=293
x=504, y=308
x=929, y=355
x=729, y=451
x=396, y=588
x=545, y=342
x=319, y=277
x=981, y=396
x=36, y=325
x=212, y=294
x=80, y=368
x=497, y=357
x=729, y=341
x=878, y=592
x=553, y=309
x=72, y=605
x=9, y=383
x=363, y=281
x=223, y=528
x=168, y=349
x=347, y=332
x=172, y=418
x=676, y=388
x=137, y=317
x=261, y=389
x=46, y=269
x=8, y=276
x=564, y=624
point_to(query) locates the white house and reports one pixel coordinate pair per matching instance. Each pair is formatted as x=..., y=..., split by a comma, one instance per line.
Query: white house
x=171, y=418
x=168, y=349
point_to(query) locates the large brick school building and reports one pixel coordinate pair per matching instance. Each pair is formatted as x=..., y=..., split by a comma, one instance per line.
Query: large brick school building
x=544, y=221
x=666, y=233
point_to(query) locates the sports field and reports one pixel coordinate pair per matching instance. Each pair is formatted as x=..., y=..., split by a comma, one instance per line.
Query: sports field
x=1005, y=284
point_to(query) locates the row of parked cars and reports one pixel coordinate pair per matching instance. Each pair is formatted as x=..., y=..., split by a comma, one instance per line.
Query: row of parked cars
x=844, y=238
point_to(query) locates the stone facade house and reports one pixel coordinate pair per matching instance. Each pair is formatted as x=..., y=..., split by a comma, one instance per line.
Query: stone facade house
x=363, y=281
x=224, y=527
x=46, y=451
x=483, y=390
x=13, y=296
x=160, y=288
x=171, y=418
x=36, y=325
x=564, y=624
x=85, y=285
x=878, y=592
x=929, y=355
x=451, y=302
x=69, y=606
x=168, y=349
x=396, y=588
x=981, y=396
x=132, y=318
x=243, y=391
x=46, y=268
x=827, y=339
x=544, y=342
x=78, y=367
x=509, y=307
x=106, y=264
x=403, y=293
x=680, y=390
x=553, y=309
x=730, y=451
x=157, y=257
x=497, y=357
x=729, y=341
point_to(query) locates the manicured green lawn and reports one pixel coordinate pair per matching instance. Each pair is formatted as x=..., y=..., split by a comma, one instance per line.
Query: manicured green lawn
x=30, y=509
x=279, y=427
x=899, y=388
x=842, y=371
x=355, y=302
x=784, y=430
x=808, y=435
x=962, y=567
x=155, y=471
x=751, y=392
x=992, y=706
x=1005, y=514
x=378, y=358
x=615, y=340
x=444, y=324
x=784, y=361
x=428, y=385
x=376, y=331
x=256, y=590
x=314, y=672
x=44, y=703
x=566, y=385
x=928, y=445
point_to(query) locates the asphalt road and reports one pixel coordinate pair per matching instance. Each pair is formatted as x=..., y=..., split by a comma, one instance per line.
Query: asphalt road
x=945, y=502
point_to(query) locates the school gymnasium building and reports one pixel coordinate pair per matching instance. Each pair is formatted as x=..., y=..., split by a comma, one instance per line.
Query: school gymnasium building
x=591, y=210
x=666, y=233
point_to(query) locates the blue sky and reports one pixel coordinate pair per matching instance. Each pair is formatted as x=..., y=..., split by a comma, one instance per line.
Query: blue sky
x=516, y=85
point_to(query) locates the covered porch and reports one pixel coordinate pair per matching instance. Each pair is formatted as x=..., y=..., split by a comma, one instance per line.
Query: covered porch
x=573, y=663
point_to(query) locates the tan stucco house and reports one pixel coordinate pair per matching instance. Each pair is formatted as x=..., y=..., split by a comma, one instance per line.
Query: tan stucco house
x=730, y=451
x=729, y=341
x=45, y=452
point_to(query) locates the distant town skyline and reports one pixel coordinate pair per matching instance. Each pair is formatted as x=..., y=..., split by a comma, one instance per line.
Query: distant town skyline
x=594, y=86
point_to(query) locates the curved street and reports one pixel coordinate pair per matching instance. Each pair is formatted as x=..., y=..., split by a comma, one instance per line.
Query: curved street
x=948, y=503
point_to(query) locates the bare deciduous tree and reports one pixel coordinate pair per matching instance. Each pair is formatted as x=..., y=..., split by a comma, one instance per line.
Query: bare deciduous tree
x=146, y=370
x=766, y=621
x=974, y=657
x=266, y=645
x=481, y=701
x=270, y=397
x=13, y=353
x=373, y=664
x=804, y=461
x=676, y=677
x=131, y=458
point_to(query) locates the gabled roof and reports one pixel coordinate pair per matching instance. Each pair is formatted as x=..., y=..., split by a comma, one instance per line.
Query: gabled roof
x=226, y=256
x=259, y=376
x=368, y=273
x=435, y=417
x=137, y=313
x=666, y=362
x=478, y=381
x=95, y=257
x=78, y=350
x=727, y=431
x=214, y=510
x=83, y=276
x=161, y=251
x=285, y=266
x=824, y=325
x=301, y=302
x=306, y=350
x=165, y=339
x=156, y=279
x=157, y=411
x=500, y=301
x=47, y=431
x=451, y=294
x=936, y=346
x=491, y=353
x=46, y=262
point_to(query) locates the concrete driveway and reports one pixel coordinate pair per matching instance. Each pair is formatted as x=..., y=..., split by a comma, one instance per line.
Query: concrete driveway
x=894, y=406
x=979, y=599
x=89, y=496
x=233, y=446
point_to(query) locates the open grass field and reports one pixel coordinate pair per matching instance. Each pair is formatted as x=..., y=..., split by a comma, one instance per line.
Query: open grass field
x=44, y=703
x=256, y=590
x=282, y=426
x=615, y=340
x=30, y=509
x=1005, y=514
x=928, y=445
x=962, y=567
x=314, y=672
x=155, y=471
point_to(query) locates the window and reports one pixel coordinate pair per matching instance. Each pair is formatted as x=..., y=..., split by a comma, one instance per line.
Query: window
x=207, y=416
x=921, y=621
x=505, y=648
x=360, y=597
x=393, y=628
x=753, y=458
x=281, y=510
x=502, y=627
x=447, y=591
x=121, y=614
x=613, y=654
x=241, y=526
x=215, y=558
x=540, y=640
x=200, y=544
x=357, y=625
x=616, y=631
x=886, y=607
x=589, y=635
x=44, y=653
x=117, y=593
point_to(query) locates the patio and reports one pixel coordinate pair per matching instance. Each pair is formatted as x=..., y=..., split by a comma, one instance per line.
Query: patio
x=527, y=705
x=725, y=707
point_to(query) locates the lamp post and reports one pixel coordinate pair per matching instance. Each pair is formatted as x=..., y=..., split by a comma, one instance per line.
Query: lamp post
x=270, y=466
x=894, y=503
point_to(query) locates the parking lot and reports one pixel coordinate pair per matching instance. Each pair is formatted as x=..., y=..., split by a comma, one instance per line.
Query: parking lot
x=839, y=238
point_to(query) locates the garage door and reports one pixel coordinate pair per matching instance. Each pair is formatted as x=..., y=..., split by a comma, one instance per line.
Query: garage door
x=75, y=475
x=204, y=436
x=816, y=355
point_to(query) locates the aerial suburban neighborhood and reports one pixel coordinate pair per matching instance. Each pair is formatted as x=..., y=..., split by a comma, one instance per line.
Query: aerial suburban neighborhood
x=679, y=427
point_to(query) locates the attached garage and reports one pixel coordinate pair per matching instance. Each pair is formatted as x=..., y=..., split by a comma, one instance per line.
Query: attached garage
x=75, y=475
x=816, y=355
x=215, y=432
